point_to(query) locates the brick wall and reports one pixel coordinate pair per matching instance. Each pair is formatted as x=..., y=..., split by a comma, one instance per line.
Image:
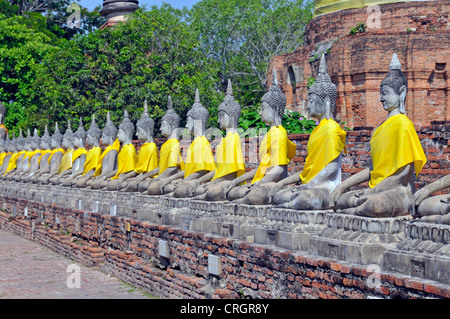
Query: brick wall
x=358, y=63
x=249, y=270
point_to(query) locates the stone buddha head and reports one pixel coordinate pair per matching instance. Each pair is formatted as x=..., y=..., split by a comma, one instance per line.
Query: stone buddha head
x=145, y=126
x=35, y=140
x=46, y=140
x=27, y=142
x=394, y=87
x=197, y=117
x=109, y=132
x=322, y=94
x=94, y=133
x=68, y=137
x=170, y=121
x=126, y=129
x=229, y=110
x=57, y=137
x=3, y=131
x=273, y=103
x=79, y=139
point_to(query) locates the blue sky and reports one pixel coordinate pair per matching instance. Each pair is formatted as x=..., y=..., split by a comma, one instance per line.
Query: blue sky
x=91, y=4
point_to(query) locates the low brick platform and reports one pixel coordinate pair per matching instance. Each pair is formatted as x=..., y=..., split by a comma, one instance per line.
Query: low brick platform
x=129, y=249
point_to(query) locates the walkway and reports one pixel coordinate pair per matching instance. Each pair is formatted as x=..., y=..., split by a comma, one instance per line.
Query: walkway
x=31, y=271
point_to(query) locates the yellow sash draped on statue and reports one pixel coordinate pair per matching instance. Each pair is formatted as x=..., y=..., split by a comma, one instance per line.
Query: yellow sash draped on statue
x=92, y=159
x=393, y=145
x=199, y=157
x=126, y=160
x=54, y=152
x=4, y=127
x=169, y=156
x=43, y=152
x=275, y=150
x=229, y=157
x=326, y=6
x=147, y=158
x=66, y=161
x=13, y=161
x=3, y=156
x=325, y=144
x=114, y=146
x=30, y=155
x=78, y=152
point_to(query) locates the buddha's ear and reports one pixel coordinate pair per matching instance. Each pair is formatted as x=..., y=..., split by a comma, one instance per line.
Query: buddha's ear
x=403, y=90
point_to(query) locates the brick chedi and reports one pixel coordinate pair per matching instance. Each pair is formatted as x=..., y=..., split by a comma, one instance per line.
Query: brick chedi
x=418, y=31
x=117, y=10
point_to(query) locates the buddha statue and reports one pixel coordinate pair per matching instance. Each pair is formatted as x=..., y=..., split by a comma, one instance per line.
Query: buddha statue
x=54, y=160
x=322, y=169
x=229, y=159
x=127, y=158
x=65, y=166
x=433, y=208
x=147, y=165
x=396, y=156
x=15, y=162
x=79, y=155
x=6, y=155
x=3, y=129
x=199, y=158
x=33, y=158
x=170, y=161
x=46, y=152
x=93, y=156
x=22, y=161
x=275, y=152
x=107, y=163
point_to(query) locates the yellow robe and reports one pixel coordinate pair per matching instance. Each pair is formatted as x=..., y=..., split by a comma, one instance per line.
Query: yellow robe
x=12, y=164
x=229, y=158
x=169, y=156
x=275, y=150
x=325, y=144
x=147, y=158
x=92, y=159
x=2, y=157
x=30, y=155
x=126, y=160
x=66, y=161
x=54, y=152
x=114, y=146
x=43, y=152
x=199, y=157
x=393, y=145
x=78, y=152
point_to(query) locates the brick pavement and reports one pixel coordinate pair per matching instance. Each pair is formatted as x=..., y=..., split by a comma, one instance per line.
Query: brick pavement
x=31, y=271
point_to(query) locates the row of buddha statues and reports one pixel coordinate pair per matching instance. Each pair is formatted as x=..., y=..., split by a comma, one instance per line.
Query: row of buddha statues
x=396, y=155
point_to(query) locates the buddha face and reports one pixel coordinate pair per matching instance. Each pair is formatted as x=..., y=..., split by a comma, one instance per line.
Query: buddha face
x=122, y=136
x=106, y=139
x=77, y=142
x=190, y=124
x=66, y=143
x=44, y=145
x=141, y=134
x=224, y=120
x=89, y=139
x=166, y=128
x=316, y=107
x=267, y=113
x=389, y=97
x=54, y=144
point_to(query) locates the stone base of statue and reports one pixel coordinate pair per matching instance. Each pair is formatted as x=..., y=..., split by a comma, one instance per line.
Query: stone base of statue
x=400, y=244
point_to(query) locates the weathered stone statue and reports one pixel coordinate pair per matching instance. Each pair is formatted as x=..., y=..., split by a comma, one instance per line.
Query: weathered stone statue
x=199, y=158
x=65, y=166
x=15, y=162
x=433, y=208
x=43, y=161
x=396, y=154
x=3, y=129
x=93, y=156
x=78, y=157
x=147, y=160
x=10, y=150
x=170, y=161
x=229, y=159
x=22, y=160
x=108, y=159
x=275, y=151
x=55, y=157
x=322, y=169
x=33, y=158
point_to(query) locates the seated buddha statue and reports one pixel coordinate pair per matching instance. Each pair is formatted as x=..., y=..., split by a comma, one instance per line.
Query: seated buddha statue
x=55, y=157
x=3, y=129
x=79, y=155
x=6, y=154
x=199, y=158
x=322, y=169
x=170, y=161
x=107, y=163
x=147, y=165
x=15, y=162
x=22, y=160
x=65, y=165
x=229, y=159
x=127, y=158
x=433, y=208
x=10, y=147
x=275, y=152
x=46, y=152
x=396, y=156
x=33, y=157
x=93, y=155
